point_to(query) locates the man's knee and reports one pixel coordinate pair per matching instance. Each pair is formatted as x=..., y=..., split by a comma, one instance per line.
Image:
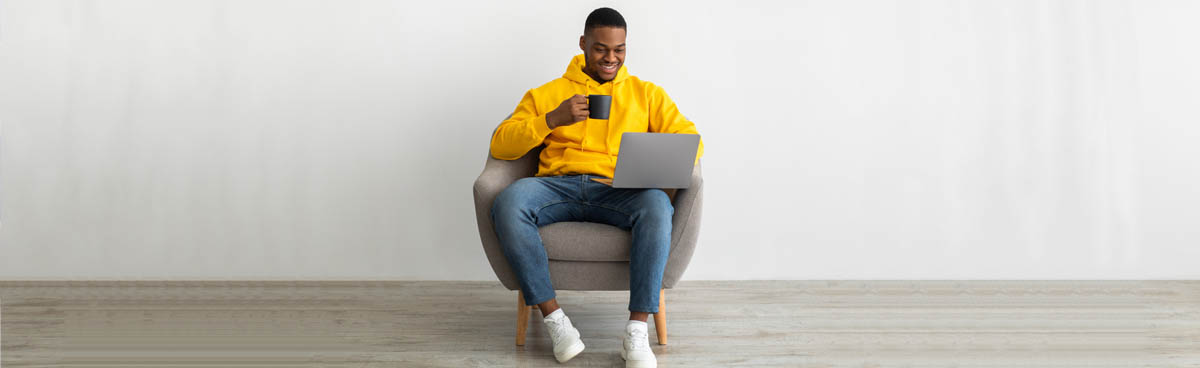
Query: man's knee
x=656, y=204
x=512, y=201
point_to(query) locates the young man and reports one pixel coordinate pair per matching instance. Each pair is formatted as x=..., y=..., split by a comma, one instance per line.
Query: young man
x=578, y=149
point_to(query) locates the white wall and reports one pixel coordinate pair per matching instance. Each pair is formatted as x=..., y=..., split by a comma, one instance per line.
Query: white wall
x=273, y=139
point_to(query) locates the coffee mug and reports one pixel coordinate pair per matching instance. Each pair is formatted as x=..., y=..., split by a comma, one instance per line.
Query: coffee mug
x=598, y=106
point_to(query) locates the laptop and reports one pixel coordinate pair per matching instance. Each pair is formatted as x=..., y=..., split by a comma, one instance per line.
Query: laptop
x=655, y=160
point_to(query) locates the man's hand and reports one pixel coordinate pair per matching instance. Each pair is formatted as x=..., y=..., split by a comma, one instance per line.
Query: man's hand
x=570, y=111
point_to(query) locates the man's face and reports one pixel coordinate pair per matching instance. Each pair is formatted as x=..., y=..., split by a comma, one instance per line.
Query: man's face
x=604, y=50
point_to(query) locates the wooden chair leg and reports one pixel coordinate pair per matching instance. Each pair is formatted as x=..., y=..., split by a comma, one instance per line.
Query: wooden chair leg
x=522, y=318
x=660, y=318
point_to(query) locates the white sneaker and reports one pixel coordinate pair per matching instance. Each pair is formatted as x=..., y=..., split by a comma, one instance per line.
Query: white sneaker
x=636, y=352
x=565, y=337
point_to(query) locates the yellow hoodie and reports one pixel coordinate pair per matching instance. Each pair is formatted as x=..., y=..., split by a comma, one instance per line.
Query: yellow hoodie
x=589, y=146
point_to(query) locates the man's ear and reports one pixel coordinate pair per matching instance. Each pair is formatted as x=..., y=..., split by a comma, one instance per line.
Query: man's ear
x=581, y=47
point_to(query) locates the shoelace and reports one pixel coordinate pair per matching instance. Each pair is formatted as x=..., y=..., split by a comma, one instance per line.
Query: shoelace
x=640, y=340
x=558, y=328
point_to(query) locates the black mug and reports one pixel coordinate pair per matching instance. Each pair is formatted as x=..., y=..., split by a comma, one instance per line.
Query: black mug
x=598, y=106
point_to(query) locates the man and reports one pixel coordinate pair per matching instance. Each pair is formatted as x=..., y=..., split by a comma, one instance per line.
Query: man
x=577, y=150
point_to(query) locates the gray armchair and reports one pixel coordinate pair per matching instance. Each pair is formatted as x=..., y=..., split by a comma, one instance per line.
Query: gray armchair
x=583, y=255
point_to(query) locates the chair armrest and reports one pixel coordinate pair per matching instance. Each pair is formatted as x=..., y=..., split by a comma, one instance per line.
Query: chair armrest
x=685, y=227
x=496, y=176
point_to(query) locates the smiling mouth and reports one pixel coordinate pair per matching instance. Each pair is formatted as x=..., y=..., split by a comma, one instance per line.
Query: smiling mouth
x=611, y=68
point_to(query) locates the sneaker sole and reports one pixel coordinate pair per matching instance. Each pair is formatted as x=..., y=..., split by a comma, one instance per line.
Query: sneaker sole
x=571, y=352
x=637, y=364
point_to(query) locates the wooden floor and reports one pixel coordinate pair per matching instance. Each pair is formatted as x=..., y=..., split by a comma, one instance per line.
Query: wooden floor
x=465, y=324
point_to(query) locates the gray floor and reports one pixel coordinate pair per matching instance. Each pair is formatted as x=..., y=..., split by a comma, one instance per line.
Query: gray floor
x=455, y=324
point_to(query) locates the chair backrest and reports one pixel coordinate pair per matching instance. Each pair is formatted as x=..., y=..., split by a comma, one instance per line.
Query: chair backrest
x=498, y=174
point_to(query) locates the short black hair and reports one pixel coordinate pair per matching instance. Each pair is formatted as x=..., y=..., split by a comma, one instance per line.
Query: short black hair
x=604, y=17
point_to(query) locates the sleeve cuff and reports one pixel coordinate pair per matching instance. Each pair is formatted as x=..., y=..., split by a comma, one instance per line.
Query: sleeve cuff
x=539, y=126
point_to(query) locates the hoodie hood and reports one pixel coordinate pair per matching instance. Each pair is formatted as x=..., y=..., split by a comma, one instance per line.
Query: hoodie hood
x=575, y=72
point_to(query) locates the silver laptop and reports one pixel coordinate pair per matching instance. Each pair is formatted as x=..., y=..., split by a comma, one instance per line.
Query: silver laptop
x=655, y=160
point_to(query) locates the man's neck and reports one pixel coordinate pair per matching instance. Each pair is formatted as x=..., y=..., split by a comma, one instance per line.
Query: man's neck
x=596, y=77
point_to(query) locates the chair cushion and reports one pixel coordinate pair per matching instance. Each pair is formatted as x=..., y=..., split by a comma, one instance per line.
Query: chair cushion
x=585, y=241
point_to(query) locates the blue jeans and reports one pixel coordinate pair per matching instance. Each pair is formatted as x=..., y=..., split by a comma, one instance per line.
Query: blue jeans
x=534, y=202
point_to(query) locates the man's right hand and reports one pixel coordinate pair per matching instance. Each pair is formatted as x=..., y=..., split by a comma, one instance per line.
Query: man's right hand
x=570, y=111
